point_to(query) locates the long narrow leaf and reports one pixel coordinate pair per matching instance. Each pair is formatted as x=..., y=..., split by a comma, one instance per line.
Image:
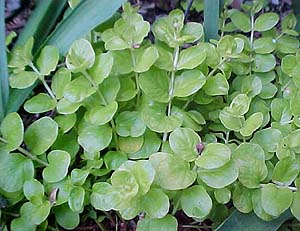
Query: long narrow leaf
x=248, y=222
x=82, y=19
x=42, y=21
x=86, y=16
x=296, y=8
x=4, y=86
x=211, y=19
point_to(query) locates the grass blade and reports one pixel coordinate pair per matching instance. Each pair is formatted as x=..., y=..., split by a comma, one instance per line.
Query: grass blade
x=211, y=19
x=247, y=222
x=86, y=16
x=82, y=19
x=4, y=85
x=296, y=9
x=42, y=21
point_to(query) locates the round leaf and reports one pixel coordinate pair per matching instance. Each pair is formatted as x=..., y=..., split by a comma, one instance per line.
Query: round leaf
x=101, y=114
x=196, y=202
x=102, y=67
x=12, y=130
x=216, y=85
x=95, y=138
x=23, y=79
x=266, y=21
x=268, y=139
x=125, y=184
x=241, y=20
x=183, y=142
x=264, y=45
x=168, y=223
x=78, y=90
x=213, y=156
x=81, y=56
x=171, y=173
x=231, y=120
x=66, y=122
x=264, y=62
x=151, y=145
x=191, y=58
x=15, y=169
x=252, y=123
x=127, y=91
x=142, y=171
x=40, y=103
x=33, y=188
x=113, y=160
x=286, y=170
x=156, y=203
x=240, y=104
x=275, y=200
x=130, y=124
x=222, y=195
x=250, y=159
x=220, y=177
x=295, y=207
x=21, y=224
x=155, y=84
x=242, y=198
x=59, y=162
x=40, y=135
x=35, y=214
x=188, y=83
x=287, y=44
x=146, y=59
x=59, y=81
x=130, y=144
x=78, y=176
x=76, y=199
x=66, y=218
x=47, y=60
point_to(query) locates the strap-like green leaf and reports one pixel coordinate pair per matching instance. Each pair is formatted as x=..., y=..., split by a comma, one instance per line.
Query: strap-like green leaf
x=86, y=16
x=245, y=222
x=42, y=21
x=4, y=87
x=45, y=13
x=81, y=20
x=211, y=19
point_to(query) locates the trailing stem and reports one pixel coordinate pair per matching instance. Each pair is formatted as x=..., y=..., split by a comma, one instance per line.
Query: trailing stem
x=112, y=123
x=136, y=79
x=42, y=79
x=251, y=39
x=171, y=87
x=28, y=154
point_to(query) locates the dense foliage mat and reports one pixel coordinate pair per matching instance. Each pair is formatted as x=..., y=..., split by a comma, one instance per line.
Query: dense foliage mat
x=150, y=128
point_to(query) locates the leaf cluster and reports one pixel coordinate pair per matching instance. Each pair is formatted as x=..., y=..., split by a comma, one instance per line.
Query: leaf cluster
x=148, y=128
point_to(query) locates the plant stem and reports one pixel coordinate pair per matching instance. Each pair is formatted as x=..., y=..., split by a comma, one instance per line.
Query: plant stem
x=42, y=79
x=27, y=153
x=112, y=123
x=10, y=214
x=136, y=79
x=216, y=68
x=101, y=227
x=176, y=205
x=252, y=31
x=171, y=87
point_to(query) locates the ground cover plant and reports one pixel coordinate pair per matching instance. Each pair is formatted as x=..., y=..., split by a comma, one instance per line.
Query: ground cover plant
x=149, y=128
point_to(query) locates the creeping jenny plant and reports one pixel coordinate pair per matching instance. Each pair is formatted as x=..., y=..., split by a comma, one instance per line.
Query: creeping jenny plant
x=151, y=128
